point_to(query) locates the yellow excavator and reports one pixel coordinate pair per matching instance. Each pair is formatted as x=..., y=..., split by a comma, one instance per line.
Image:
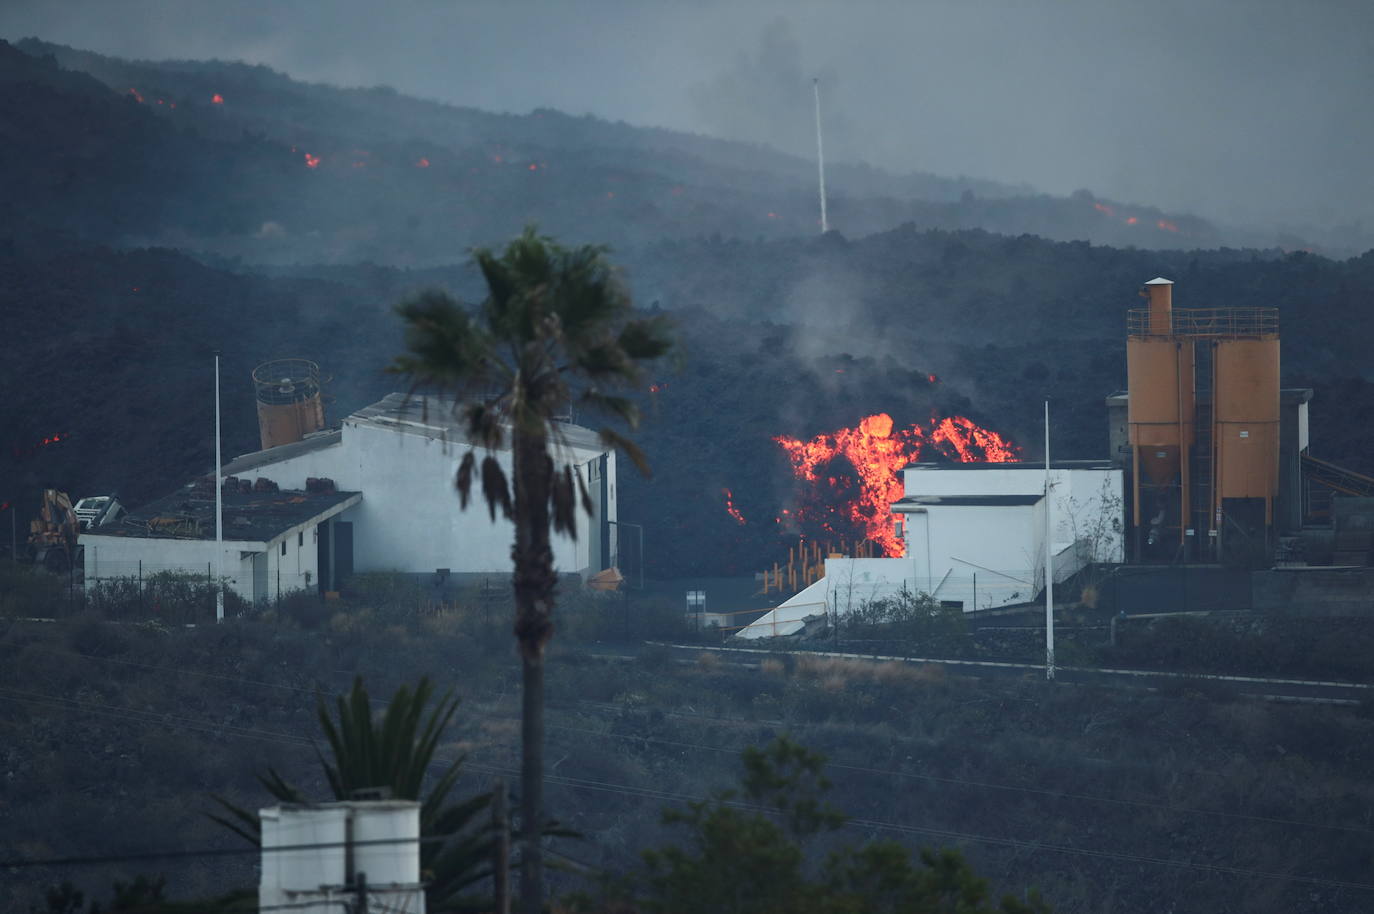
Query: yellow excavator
x=53, y=534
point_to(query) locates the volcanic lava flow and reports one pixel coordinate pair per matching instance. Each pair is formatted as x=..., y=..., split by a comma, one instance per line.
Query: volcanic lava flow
x=856, y=472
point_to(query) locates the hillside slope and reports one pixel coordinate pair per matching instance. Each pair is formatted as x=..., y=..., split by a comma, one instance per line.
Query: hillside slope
x=284, y=172
x=111, y=351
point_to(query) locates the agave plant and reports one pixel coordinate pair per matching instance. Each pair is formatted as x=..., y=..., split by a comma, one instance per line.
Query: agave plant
x=396, y=752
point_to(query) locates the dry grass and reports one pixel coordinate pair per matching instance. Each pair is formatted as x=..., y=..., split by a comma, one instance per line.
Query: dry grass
x=835, y=682
x=929, y=673
x=772, y=666
x=888, y=673
x=708, y=661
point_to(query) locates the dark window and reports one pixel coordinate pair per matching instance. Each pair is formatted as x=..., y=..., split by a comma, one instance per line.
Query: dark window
x=283, y=547
x=300, y=538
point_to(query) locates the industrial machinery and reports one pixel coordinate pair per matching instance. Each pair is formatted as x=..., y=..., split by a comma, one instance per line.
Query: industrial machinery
x=98, y=509
x=53, y=533
x=1203, y=427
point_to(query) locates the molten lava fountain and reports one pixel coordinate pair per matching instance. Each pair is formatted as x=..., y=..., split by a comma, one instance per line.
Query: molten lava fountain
x=862, y=498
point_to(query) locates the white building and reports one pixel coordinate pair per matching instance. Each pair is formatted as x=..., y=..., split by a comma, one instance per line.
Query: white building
x=274, y=542
x=399, y=457
x=975, y=539
x=336, y=857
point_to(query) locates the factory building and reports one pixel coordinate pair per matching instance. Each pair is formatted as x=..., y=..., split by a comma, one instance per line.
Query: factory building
x=975, y=539
x=388, y=473
x=1210, y=474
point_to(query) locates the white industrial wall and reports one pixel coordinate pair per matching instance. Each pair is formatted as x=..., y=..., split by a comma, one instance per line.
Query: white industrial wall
x=109, y=557
x=983, y=556
x=986, y=553
x=409, y=519
x=1076, y=494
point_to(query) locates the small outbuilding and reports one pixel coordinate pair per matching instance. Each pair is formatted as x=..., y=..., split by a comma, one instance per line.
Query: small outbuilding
x=975, y=537
x=274, y=542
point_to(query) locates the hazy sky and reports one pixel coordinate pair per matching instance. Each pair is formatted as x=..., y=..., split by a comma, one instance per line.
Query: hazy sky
x=1246, y=110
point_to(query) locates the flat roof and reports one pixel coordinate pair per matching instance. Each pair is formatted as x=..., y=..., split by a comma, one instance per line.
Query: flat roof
x=986, y=501
x=256, y=517
x=313, y=442
x=1102, y=464
x=1286, y=395
x=410, y=414
x=437, y=417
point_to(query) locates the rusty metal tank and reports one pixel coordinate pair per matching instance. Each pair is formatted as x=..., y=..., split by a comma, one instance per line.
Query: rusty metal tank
x=1160, y=385
x=289, y=404
x=1247, y=417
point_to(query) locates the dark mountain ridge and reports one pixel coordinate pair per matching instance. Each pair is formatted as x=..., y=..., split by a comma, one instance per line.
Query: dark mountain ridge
x=281, y=172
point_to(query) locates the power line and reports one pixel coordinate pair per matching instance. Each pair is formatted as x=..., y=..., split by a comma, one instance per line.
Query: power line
x=201, y=726
x=214, y=852
x=988, y=785
x=985, y=785
x=662, y=795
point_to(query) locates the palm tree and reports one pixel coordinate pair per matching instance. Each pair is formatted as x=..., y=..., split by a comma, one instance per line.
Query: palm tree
x=556, y=328
x=395, y=753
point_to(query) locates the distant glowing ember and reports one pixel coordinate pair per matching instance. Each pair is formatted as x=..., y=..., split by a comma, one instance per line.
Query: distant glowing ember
x=135, y=93
x=422, y=163
x=1166, y=225
x=731, y=509
x=217, y=99
x=46, y=441
x=1131, y=220
x=312, y=161
x=857, y=471
x=1104, y=209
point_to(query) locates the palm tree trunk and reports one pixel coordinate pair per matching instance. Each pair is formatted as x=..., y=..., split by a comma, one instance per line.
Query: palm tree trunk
x=531, y=785
x=534, y=591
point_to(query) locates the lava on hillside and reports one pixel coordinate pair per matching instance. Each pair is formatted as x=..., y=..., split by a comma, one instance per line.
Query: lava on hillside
x=855, y=473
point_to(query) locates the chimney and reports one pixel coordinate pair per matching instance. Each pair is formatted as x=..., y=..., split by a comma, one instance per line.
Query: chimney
x=1160, y=292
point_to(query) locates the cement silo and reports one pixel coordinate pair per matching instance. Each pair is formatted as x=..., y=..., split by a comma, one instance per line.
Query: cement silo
x=1246, y=432
x=289, y=404
x=1160, y=415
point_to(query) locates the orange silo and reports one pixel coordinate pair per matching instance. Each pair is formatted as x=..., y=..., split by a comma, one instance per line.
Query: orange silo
x=1246, y=433
x=289, y=404
x=1160, y=406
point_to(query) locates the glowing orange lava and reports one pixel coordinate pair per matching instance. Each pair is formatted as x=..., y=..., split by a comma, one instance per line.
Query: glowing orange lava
x=135, y=93
x=423, y=163
x=1166, y=225
x=1131, y=220
x=1104, y=208
x=312, y=161
x=731, y=509
x=861, y=494
x=217, y=99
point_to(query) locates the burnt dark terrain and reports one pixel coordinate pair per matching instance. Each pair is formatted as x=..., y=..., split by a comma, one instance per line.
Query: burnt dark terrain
x=1190, y=800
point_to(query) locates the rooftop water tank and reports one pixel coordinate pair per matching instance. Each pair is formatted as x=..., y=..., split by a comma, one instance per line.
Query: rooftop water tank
x=289, y=404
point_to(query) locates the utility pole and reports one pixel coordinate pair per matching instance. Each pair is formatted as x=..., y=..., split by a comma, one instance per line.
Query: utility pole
x=1049, y=557
x=820, y=153
x=500, y=865
x=219, y=509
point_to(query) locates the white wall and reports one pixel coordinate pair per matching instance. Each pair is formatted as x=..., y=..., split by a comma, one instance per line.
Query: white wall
x=410, y=519
x=108, y=557
x=1076, y=494
x=983, y=556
